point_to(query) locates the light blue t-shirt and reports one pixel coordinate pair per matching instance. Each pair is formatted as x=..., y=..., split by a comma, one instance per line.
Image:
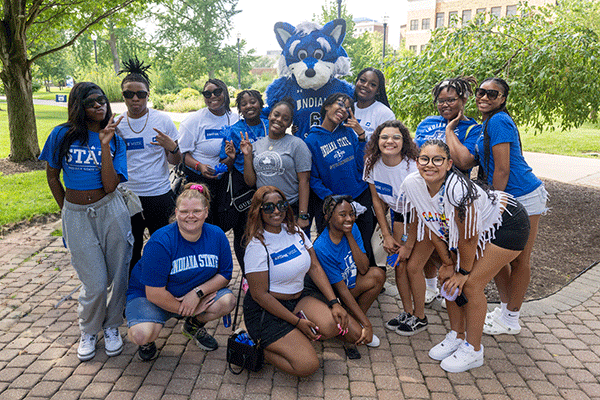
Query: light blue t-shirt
x=336, y=259
x=502, y=129
x=81, y=167
x=179, y=265
x=255, y=132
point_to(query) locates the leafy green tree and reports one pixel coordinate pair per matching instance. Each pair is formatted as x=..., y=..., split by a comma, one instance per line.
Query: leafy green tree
x=550, y=62
x=35, y=24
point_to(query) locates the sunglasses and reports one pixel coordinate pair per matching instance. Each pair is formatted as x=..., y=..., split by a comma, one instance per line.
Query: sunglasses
x=269, y=208
x=437, y=160
x=491, y=94
x=141, y=94
x=217, y=92
x=89, y=102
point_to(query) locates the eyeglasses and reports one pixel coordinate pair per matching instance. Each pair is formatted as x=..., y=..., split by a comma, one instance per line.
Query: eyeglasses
x=395, y=138
x=217, y=92
x=196, y=213
x=436, y=160
x=89, y=102
x=269, y=208
x=343, y=105
x=491, y=93
x=449, y=102
x=141, y=94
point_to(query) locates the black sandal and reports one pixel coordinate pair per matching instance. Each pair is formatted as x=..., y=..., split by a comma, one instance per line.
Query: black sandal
x=352, y=352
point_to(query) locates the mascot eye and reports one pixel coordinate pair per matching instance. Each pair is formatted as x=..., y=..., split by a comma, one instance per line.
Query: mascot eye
x=318, y=54
x=302, y=54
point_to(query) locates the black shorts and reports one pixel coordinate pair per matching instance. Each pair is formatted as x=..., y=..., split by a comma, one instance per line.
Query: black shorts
x=514, y=232
x=273, y=328
x=399, y=217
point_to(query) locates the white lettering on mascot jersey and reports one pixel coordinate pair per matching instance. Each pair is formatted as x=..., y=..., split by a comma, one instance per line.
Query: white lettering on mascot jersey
x=311, y=58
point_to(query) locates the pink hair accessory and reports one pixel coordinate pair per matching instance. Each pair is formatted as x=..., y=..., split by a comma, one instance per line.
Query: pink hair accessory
x=197, y=187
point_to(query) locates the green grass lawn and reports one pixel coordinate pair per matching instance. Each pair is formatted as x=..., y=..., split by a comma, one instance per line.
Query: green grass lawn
x=51, y=95
x=26, y=195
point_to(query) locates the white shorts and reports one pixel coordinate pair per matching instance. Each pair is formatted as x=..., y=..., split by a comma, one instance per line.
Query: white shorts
x=535, y=202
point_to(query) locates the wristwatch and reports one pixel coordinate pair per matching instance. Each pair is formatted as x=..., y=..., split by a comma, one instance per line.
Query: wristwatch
x=463, y=272
x=333, y=302
x=175, y=150
x=200, y=293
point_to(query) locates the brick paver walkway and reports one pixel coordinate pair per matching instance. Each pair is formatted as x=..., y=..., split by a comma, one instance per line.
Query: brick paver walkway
x=556, y=355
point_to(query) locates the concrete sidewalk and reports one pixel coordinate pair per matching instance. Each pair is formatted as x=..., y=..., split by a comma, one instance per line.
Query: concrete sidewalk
x=556, y=355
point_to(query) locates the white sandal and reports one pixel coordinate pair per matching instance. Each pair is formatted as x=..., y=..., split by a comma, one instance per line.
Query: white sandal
x=497, y=327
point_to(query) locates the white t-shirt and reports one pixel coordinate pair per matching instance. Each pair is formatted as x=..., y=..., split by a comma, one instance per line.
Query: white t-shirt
x=290, y=260
x=387, y=181
x=202, y=134
x=147, y=164
x=373, y=116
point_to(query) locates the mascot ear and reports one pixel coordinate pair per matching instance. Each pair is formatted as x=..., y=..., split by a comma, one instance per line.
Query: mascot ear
x=283, y=31
x=336, y=29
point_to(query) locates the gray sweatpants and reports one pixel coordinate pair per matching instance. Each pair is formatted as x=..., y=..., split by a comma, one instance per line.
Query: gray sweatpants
x=99, y=238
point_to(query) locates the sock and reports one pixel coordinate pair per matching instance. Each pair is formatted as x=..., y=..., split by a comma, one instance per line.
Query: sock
x=511, y=318
x=503, y=307
x=431, y=283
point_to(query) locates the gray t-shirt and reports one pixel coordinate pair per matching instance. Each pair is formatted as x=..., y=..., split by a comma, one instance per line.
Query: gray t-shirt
x=278, y=162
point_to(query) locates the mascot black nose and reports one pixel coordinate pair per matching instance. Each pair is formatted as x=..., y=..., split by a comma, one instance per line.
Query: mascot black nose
x=310, y=73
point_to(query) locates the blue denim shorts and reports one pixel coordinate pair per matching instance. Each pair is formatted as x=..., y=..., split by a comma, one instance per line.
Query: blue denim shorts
x=535, y=201
x=141, y=309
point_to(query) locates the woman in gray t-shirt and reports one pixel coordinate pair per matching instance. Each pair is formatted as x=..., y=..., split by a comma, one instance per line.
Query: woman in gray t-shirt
x=280, y=160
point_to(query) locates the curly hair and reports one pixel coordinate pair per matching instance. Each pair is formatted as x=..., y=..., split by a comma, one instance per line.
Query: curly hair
x=255, y=225
x=373, y=152
x=136, y=72
x=381, y=95
x=77, y=119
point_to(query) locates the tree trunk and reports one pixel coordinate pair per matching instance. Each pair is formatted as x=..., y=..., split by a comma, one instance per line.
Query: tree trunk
x=112, y=43
x=16, y=75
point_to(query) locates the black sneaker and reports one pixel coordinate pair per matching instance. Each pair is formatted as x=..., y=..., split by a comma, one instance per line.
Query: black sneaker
x=205, y=341
x=190, y=327
x=394, y=323
x=147, y=352
x=412, y=326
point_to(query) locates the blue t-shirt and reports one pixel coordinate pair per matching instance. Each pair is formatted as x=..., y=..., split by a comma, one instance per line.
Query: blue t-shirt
x=179, y=265
x=80, y=170
x=502, y=129
x=337, y=162
x=336, y=259
x=308, y=102
x=434, y=127
x=254, y=133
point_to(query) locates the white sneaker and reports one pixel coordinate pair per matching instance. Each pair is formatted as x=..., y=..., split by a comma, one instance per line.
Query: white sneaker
x=87, y=346
x=497, y=326
x=431, y=294
x=490, y=315
x=375, y=342
x=446, y=347
x=113, y=343
x=463, y=359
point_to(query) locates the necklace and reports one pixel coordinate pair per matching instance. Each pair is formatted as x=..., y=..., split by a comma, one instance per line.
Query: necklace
x=145, y=123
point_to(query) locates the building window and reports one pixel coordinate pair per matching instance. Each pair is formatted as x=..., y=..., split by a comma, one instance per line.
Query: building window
x=451, y=14
x=466, y=17
x=439, y=20
x=413, y=48
x=496, y=11
x=480, y=16
x=423, y=48
x=511, y=10
x=425, y=24
x=414, y=24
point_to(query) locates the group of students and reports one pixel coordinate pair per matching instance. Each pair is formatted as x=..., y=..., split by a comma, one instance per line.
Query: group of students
x=353, y=167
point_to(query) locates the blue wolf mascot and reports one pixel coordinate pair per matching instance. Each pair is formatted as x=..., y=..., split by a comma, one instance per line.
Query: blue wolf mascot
x=312, y=58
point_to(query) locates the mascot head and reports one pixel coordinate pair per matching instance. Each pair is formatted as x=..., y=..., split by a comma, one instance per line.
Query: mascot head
x=311, y=53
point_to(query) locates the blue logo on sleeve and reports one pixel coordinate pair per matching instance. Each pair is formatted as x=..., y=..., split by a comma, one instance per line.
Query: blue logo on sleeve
x=135, y=143
x=383, y=188
x=285, y=255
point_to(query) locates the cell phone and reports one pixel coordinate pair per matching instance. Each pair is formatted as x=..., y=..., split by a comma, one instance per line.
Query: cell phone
x=461, y=300
x=300, y=314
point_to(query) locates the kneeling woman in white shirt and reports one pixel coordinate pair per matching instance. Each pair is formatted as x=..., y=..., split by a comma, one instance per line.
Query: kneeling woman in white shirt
x=475, y=232
x=278, y=257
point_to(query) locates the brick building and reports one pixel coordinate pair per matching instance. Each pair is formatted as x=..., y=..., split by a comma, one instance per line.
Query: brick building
x=423, y=16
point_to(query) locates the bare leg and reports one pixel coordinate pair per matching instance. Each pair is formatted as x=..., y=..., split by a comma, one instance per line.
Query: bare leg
x=293, y=354
x=419, y=256
x=521, y=269
x=484, y=269
x=457, y=318
x=144, y=332
x=368, y=287
x=401, y=276
x=221, y=307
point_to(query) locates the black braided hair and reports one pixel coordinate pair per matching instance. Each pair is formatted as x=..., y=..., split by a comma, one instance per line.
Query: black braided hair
x=136, y=72
x=288, y=102
x=252, y=93
x=381, y=95
x=461, y=84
